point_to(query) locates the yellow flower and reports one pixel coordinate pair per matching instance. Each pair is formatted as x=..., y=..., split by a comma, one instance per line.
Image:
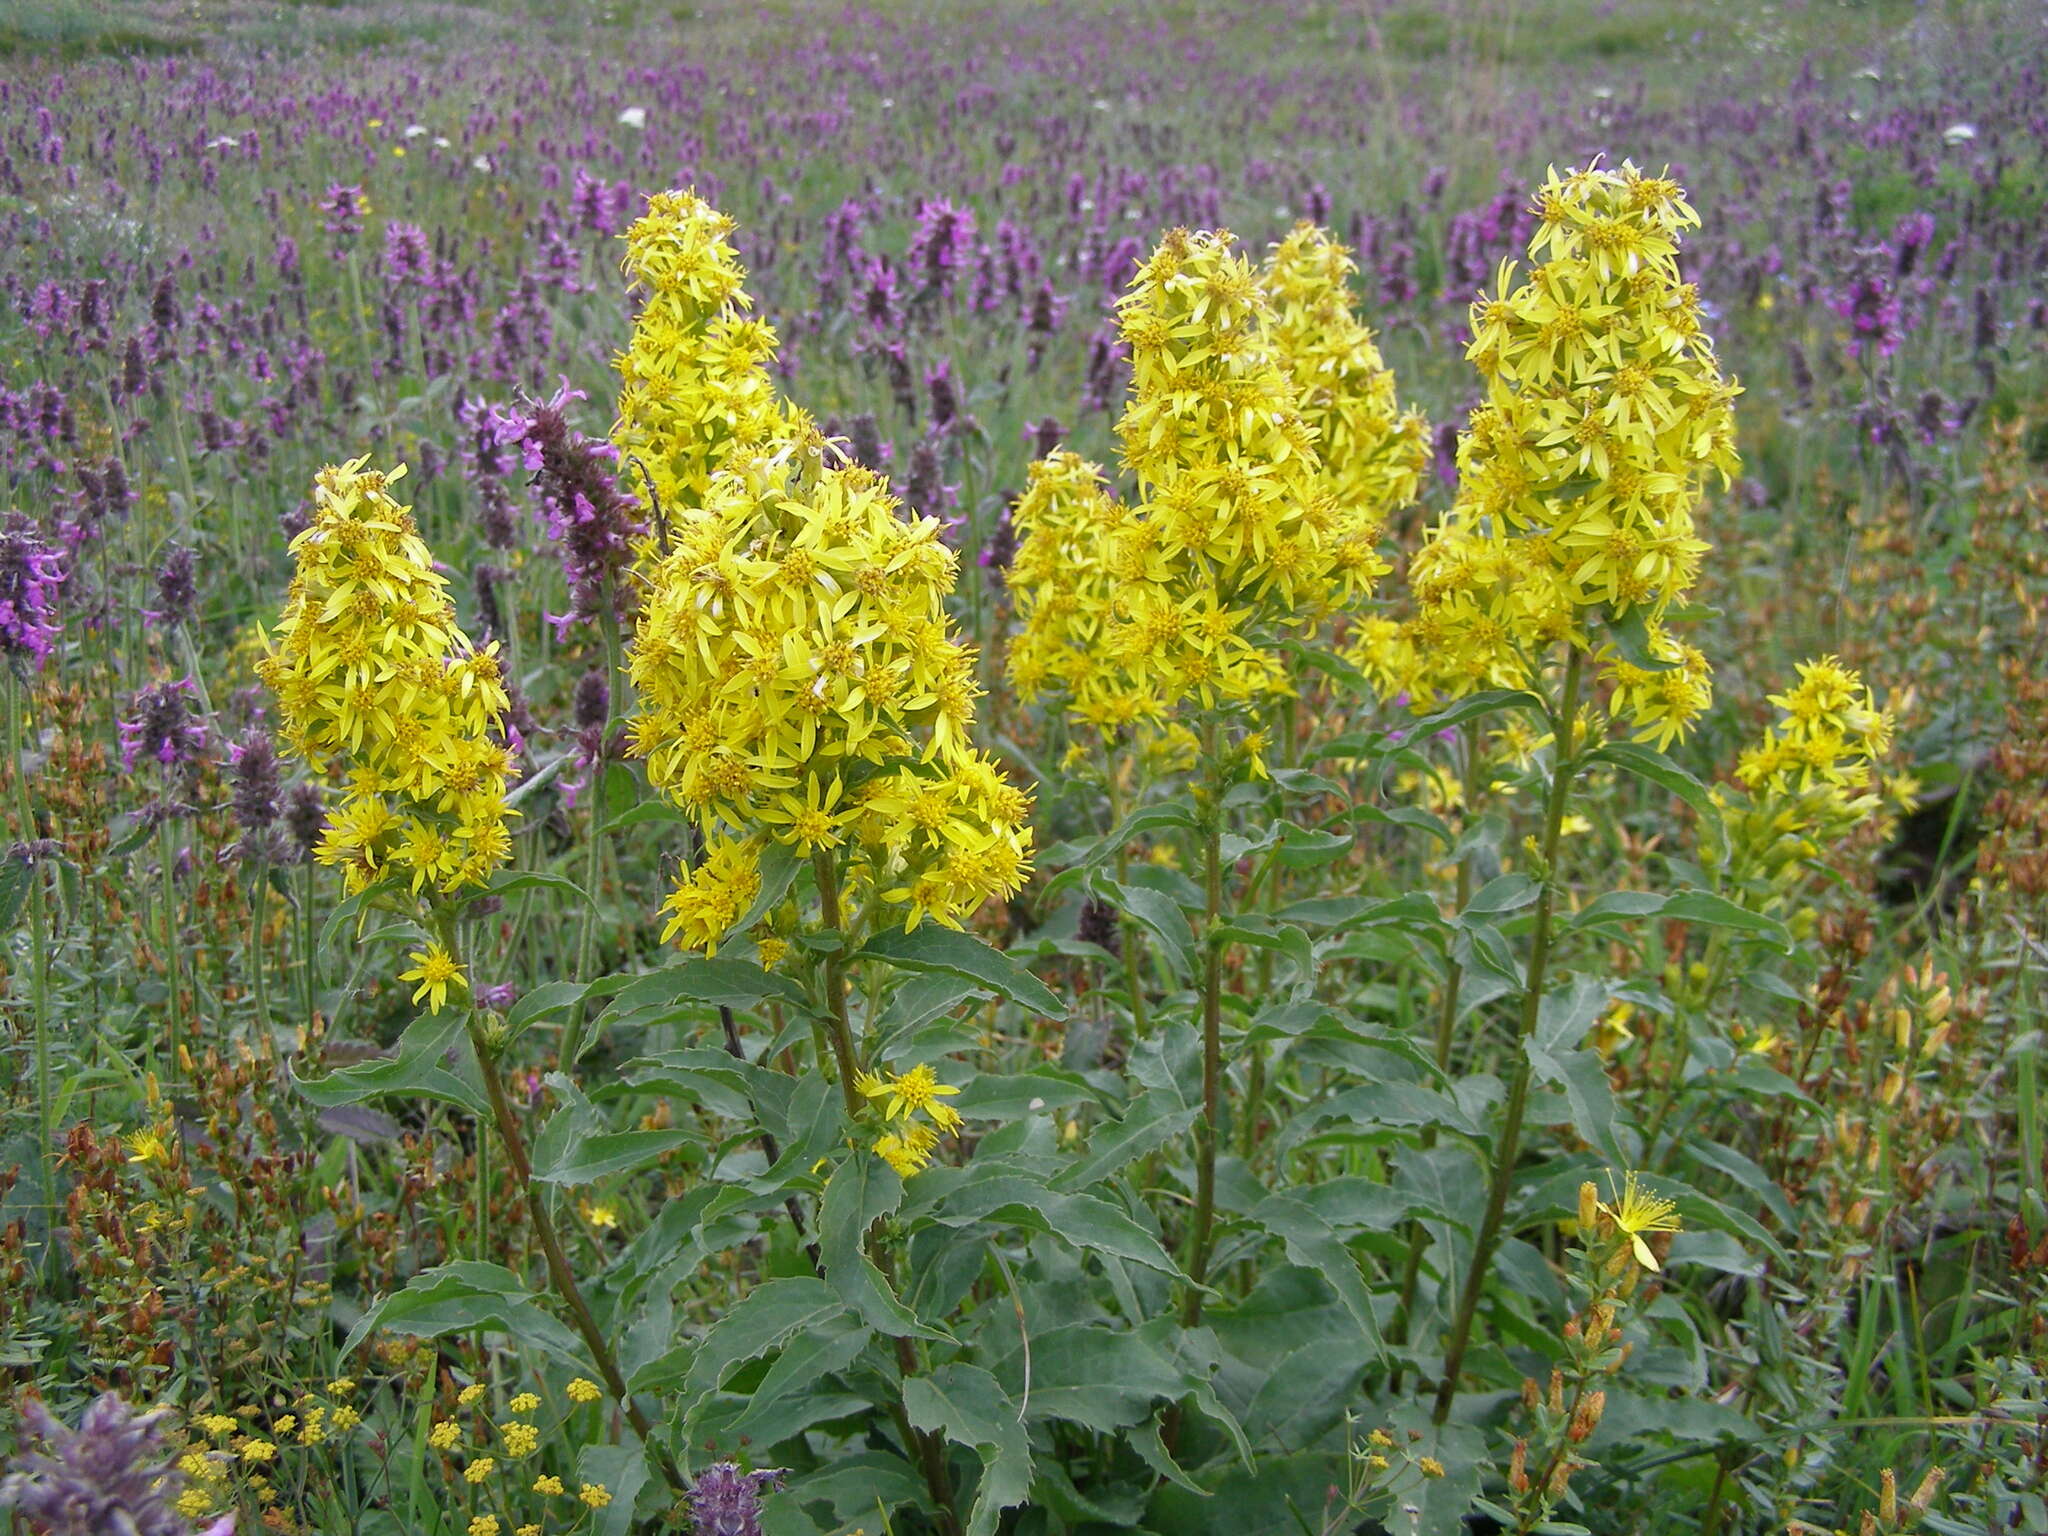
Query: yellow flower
x=193, y=1503
x=341, y=1386
x=444, y=1434
x=520, y=1439
x=548, y=1484
x=220, y=1424
x=372, y=676
x=799, y=680
x=603, y=1217
x=484, y=1525
x=596, y=1495
x=258, y=1450
x=582, y=1390
x=524, y=1402
x=1637, y=1212
x=436, y=971
x=479, y=1470
x=150, y=1145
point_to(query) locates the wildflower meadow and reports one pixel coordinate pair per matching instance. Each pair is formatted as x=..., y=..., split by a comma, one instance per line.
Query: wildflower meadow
x=1024, y=767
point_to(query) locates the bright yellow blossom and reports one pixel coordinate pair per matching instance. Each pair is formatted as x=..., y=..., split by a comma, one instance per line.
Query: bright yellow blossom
x=436, y=971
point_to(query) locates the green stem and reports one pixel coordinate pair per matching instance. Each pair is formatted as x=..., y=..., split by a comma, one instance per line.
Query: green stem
x=1564, y=761
x=559, y=1272
x=1208, y=1128
x=930, y=1452
x=586, y=933
x=825, y=864
x=1446, y=1025
x=168, y=896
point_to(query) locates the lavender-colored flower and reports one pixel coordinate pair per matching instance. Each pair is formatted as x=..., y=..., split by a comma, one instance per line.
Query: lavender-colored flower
x=1044, y=436
x=165, y=727
x=112, y=1476
x=29, y=579
x=724, y=1501
x=939, y=248
x=1871, y=306
x=177, y=592
x=943, y=395
x=587, y=516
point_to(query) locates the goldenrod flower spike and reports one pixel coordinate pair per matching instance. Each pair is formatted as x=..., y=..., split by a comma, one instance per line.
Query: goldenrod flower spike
x=376, y=683
x=1605, y=413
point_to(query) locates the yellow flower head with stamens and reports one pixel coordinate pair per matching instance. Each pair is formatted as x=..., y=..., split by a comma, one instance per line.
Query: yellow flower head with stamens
x=1638, y=1213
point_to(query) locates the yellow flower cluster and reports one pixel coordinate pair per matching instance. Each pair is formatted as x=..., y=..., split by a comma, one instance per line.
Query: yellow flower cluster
x=1372, y=453
x=373, y=676
x=1067, y=522
x=1811, y=779
x=1240, y=535
x=798, y=680
x=694, y=393
x=903, y=1097
x=798, y=683
x=1605, y=411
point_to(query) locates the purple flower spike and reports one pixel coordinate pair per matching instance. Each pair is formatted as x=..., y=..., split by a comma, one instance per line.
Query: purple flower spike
x=29, y=579
x=724, y=1501
x=111, y=1474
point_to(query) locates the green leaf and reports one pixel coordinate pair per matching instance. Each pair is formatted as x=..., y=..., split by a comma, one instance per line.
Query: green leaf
x=861, y=1191
x=1081, y=1221
x=1102, y=1378
x=415, y=1070
x=858, y=1488
x=1583, y=1077
x=1310, y=1242
x=462, y=1297
x=1162, y=917
x=1630, y=632
x=586, y=1159
x=1711, y=911
x=621, y=1470
x=554, y=997
x=969, y=1407
x=509, y=882
x=1154, y=1119
x=1507, y=893
x=1655, y=768
x=789, y=1399
x=765, y=1319
x=929, y=947
x=993, y=1096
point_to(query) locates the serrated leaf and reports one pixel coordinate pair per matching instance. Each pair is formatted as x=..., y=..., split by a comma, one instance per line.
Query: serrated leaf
x=415, y=1070
x=1310, y=1242
x=765, y=1319
x=969, y=1407
x=1081, y=1221
x=861, y=1191
x=1163, y=919
x=929, y=947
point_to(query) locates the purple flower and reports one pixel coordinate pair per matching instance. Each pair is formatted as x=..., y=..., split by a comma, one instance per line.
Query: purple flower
x=165, y=727
x=724, y=1501
x=29, y=579
x=587, y=516
x=110, y=1475
x=177, y=593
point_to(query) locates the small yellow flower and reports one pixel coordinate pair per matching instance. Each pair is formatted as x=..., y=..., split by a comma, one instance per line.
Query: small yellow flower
x=442, y=1436
x=1430, y=1467
x=285, y=1425
x=484, y=1525
x=470, y=1394
x=345, y=1419
x=149, y=1146
x=583, y=1390
x=1638, y=1211
x=527, y=1530
x=220, y=1424
x=258, y=1450
x=602, y=1217
x=479, y=1470
x=341, y=1386
x=193, y=1503
x=525, y=1402
x=547, y=1484
x=596, y=1495
x=436, y=971
x=520, y=1439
